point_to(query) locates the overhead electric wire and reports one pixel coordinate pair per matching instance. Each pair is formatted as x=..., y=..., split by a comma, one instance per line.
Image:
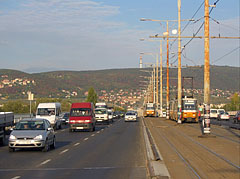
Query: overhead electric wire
x=194, y=35
x=225, y=55
x=189, y=22
x=199, y=27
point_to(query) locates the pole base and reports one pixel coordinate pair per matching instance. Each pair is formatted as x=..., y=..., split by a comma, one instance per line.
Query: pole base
x=207, y=136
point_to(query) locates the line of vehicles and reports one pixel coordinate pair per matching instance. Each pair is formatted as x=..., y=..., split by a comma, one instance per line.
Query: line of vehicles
x=39, y=132
x=189, y=111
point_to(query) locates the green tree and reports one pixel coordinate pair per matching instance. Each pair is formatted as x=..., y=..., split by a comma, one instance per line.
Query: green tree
x=234, y=105
x=16, y=107
x=92, y=96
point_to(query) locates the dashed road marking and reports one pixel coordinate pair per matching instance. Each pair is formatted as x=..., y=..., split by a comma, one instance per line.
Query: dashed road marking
x=102, y=129
x=64, y=151
x=46, y=161
x=16, y=177
x=93, y=135
x=76, y=144
x=86, y=138
x=98, y=132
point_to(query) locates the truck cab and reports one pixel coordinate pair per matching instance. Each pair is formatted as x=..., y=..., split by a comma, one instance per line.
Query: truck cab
x=82, y=117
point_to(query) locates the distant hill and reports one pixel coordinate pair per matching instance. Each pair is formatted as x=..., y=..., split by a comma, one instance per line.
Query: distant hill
x=60, y=83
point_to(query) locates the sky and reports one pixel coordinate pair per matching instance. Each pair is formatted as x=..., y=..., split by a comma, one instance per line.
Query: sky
x=49, y=35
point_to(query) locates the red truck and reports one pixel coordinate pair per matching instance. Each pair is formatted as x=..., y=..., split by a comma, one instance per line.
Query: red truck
x=82, y=117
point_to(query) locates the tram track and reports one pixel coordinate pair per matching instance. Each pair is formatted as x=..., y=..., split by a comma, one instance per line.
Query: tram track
x=219, y=135
x=182, y=154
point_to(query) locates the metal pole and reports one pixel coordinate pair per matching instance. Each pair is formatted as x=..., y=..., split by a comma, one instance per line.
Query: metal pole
x=161, y=88
x=157, y=100
x=30, y=108
x=206, y=71
x=154, y=84
x=179, y=63
x=167, y=72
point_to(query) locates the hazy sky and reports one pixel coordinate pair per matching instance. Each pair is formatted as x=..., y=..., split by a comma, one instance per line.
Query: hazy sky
x=43, y=35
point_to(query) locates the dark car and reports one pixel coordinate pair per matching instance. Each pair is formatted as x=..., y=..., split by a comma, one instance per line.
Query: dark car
x=65, y=118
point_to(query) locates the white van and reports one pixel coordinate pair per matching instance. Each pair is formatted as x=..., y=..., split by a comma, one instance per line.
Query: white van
x=51, y=112
x=213, y=113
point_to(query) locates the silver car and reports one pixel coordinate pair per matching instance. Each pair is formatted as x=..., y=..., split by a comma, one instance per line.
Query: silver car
x=32, y=133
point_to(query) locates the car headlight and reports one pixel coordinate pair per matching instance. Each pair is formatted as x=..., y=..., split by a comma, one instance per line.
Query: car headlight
x=12, y=137
x=38, y=137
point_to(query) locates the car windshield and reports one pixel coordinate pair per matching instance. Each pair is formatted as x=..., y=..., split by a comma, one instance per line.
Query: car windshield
x=30, y=125
x=46, y=111
x=80, y=112
x=213, y=111
x=100, y=111
x=130, y=113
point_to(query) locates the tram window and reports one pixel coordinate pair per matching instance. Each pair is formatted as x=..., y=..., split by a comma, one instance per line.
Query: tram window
x=189, y=106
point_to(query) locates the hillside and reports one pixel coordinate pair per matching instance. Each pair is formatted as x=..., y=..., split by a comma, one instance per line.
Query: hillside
x=15, y=84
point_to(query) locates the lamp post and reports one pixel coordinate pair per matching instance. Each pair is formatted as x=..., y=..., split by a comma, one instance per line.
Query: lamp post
x=166, y=35
x=155, y=75
x=159, y=92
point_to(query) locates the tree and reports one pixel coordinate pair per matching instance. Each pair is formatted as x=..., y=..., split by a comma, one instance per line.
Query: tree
x=92, y=96
x=234, y=105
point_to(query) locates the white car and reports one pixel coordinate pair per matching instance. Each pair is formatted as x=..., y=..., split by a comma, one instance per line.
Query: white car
x=223, y=116
x=130, y=116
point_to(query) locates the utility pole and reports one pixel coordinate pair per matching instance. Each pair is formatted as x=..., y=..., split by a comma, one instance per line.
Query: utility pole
x=179, y=64
x=165, y=35
x=167, y=97
x=154, y=84
x=206, y=129
x=157, y=99
x=161, y=86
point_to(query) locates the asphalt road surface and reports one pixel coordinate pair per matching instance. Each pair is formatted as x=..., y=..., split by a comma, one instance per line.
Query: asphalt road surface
x=112, y=151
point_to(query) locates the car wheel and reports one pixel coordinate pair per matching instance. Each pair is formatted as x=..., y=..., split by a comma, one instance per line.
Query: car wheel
x=46, y=147
x=94, y=128
x=53, y=146
x=11, y=149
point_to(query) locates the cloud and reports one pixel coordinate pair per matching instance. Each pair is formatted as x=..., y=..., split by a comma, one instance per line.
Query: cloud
x=52, y=15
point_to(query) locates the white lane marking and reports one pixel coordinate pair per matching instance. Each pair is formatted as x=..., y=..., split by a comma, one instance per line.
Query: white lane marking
x=102, y=129
x=76, y=144
x=46, y=161
x=64, y=151
x=86, y=138
x=93, y=135
x=16, y=177
x=98, y=132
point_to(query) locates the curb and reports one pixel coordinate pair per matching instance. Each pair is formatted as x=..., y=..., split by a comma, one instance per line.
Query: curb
x=155, y=164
